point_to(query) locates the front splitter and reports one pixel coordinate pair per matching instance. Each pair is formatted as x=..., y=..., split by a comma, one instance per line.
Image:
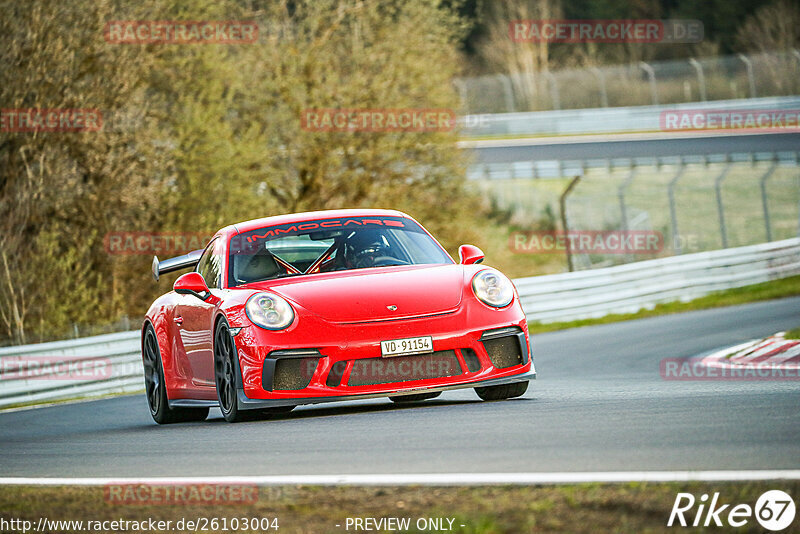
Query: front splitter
x=246, y=403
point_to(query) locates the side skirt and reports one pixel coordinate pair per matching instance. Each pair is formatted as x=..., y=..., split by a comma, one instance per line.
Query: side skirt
x=192, y=403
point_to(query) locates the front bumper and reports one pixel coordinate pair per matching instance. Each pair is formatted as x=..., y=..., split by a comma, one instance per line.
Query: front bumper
x=348, y=365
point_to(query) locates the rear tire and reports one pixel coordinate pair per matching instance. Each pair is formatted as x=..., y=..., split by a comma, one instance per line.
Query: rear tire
x=155, y=386
x=502, y=392
x=416, y=397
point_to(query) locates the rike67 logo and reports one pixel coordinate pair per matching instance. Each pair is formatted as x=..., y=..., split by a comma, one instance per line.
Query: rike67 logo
x=774, y=511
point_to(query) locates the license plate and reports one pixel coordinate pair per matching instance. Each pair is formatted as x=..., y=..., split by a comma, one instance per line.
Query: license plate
x=411, y=345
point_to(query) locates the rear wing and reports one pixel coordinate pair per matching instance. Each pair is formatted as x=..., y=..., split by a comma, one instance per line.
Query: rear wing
x=175, y=264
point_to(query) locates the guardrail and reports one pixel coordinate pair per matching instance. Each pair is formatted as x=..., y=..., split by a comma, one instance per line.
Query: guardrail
x=603, y=120
x=635, y=286
x=47, y=371
x=97, y=365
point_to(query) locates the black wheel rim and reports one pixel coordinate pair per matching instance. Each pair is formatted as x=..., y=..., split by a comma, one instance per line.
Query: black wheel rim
x=152, y=376
x=223, y=369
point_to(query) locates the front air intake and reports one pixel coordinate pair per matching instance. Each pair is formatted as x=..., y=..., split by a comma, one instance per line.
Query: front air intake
x=289, y=369
x=471, y=359
x=372, y=371
x=335, y=375
x=293, y=373
x=504, y=347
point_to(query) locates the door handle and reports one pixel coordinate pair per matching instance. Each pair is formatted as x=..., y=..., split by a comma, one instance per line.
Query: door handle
x=178, y=320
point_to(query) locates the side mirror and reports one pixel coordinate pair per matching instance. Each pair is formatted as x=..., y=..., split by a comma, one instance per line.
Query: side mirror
x=469, y=254
x=192, y=284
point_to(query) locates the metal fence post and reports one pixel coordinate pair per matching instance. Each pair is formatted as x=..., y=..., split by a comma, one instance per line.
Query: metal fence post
x=563, y=204
x=672, y=212
x=751, y=80
x=651, y=74
x=461, y=87
x=508, y=92
x=720, y=208
x=621, y=196
x=601, y=79
x=701, y=79
x=623, y=210
x=554, y=96
x=764, y=202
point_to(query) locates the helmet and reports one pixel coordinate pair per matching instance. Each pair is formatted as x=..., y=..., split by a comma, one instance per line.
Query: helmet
x=361, y=249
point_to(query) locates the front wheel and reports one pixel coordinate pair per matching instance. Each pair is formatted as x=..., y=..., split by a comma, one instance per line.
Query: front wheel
x=502, y=392
x=225, y=374
x=156, y=388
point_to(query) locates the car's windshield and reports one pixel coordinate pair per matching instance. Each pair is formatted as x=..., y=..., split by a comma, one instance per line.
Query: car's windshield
x=330, y=245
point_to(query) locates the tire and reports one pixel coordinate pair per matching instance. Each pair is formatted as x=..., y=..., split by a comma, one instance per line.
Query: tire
x=155, y=386
x=502, y=392
x=225, y=375
x=416, y=397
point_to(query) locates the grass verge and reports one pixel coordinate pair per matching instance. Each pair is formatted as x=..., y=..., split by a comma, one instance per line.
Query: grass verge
x=578, y=508
x=786, y=287
x=794, y=333
x=68, y=400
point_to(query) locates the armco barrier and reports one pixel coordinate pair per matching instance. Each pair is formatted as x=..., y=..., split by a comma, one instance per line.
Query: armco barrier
x=557, y=297
x=602, y=120
x=118, y=354
x=634, y=286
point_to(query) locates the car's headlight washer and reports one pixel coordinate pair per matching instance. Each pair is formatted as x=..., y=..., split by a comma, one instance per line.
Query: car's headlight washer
x=493, y=288
x=269, y=311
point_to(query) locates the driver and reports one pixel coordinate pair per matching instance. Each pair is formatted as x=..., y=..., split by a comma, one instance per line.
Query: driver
x=362, y=248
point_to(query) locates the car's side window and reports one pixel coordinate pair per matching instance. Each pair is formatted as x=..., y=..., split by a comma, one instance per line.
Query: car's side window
x=210, y=264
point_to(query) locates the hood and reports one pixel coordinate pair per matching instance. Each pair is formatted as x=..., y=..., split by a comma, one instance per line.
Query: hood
x=365, y=294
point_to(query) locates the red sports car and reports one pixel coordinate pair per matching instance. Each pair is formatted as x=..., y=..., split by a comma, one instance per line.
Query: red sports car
x=329, y=306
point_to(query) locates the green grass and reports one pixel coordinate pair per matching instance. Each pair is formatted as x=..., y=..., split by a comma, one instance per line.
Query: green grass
x=794, y=333
x=775, y=289
x=67, y=400
x=575, y=508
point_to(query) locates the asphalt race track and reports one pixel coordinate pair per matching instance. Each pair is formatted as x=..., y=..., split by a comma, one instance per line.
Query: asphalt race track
x=599, y=405
x=546, y=149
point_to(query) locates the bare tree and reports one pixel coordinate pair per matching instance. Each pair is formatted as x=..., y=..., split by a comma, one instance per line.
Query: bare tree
x=524, y=60
x=60, y=192
x=774, y=28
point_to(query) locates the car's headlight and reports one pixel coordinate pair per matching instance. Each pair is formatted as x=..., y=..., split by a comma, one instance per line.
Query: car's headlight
x=493, y=288
x=269, y=311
